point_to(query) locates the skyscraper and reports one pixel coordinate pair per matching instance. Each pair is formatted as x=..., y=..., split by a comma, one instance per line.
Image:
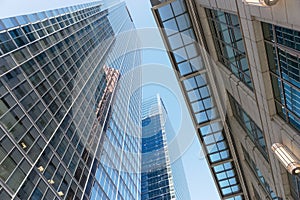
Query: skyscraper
x=163, y=177
x=69, y=124
x=237, y=63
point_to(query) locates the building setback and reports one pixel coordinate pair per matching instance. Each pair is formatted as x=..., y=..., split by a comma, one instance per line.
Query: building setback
x=162, y=176
x=68, y=128
x=237, y=63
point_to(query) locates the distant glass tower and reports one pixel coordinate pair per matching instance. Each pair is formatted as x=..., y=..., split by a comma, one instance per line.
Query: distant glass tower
x=162, y=177
x=69, y=126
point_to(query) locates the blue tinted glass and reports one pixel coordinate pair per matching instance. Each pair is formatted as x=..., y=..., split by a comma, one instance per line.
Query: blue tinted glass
x=183, y=21
x=22, y=19
x=146, y=121
x=194, y=95
x=201, y=80
x=175, y=41
x=294, y=121
x=170, y=26
x=72, y=8
x=42, y=15
x=2, y=27
x=4, y=37
x=165, y=12
x=184, y=68
x=9, y=22
x=16, y=33
x=33, y=17
x=60, y=11
x=214, y=158
x=288, y=65
x=188, y=36
x=180, y=55
x=178, y=7
x=190, y=84
x=49, y=13
x=201, y=117
x=191, y=50
x=37, y=194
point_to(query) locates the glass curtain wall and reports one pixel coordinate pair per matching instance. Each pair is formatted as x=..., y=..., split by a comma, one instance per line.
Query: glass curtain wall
x=60, y=98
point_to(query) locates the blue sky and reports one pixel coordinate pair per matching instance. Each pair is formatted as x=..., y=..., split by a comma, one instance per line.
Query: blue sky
x=199, y=179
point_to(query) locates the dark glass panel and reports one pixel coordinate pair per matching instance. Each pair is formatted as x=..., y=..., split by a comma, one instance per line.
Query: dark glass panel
x=6, y=63
x=21, y=55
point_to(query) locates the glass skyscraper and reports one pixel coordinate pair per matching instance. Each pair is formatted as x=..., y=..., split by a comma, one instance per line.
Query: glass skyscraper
x=69, y=126
x=162, y=176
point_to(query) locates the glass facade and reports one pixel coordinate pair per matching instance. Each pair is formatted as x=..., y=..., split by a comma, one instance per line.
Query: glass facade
x=250, y=127
x=178, y=172
x=163, y=177
x=283, y=51
x=157, y=179
x=184, y=50
x=61, y=133
x=259, y=176
x=228, y=39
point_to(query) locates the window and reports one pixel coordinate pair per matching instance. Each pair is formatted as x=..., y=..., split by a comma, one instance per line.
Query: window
x=226, y=177
x=28, y=185
x=6, y=103
x=18, y=37
x=7, y=167
x=30, y=33
x=36, y=149
x=29, y=100
x=16, y=179
x=229, y=44
x=283, y=51
x=42, y=59
x=4, y=194
x=10, y=22
x=6, y=43
x=178, y=28
x=294, y=185
x=252, y=130
x=29, y=67
x=13, y=78
x=21, y=55
x=22, y=90
x=259, y=175
x=215, y=142
x=199, y=96
x=6, y=63
x=35, y=48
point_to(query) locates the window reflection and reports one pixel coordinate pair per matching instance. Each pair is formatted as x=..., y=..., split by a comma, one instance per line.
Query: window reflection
x=253, y=131
x=229, y=44
x=259, y=175
x=284, y=66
